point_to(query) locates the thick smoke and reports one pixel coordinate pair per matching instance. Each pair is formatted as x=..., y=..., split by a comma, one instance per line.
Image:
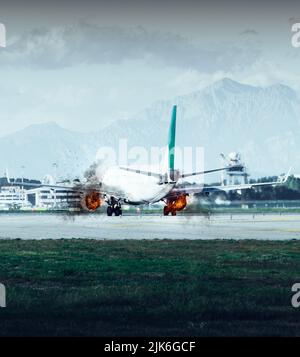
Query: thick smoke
x=95, y=172
x=90, y=173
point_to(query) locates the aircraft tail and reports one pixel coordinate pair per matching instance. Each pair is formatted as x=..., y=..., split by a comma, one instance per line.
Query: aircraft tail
x=168, y=164
x=171, y=144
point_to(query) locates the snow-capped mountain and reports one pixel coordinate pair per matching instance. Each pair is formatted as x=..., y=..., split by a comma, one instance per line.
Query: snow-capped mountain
x=263, y=124
x=38, y=147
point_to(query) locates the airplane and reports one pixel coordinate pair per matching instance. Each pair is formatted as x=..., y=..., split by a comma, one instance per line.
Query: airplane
x=126, y=185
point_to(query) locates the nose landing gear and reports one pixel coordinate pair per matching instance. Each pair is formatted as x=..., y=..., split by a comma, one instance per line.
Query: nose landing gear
x=114, y=207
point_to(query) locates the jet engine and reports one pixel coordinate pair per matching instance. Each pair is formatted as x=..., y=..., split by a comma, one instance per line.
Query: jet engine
x=91, y=201
x=174, y=205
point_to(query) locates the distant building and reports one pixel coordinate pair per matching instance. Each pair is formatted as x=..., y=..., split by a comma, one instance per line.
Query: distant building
x=17, y=197
x=12, y=197
x=53, y=198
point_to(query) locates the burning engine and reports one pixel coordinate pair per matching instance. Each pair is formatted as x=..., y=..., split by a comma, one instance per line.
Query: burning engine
x=175, y=205
x=91, y=201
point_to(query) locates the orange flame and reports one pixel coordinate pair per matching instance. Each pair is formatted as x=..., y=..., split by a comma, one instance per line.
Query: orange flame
x=177, y=205
x=92, y=201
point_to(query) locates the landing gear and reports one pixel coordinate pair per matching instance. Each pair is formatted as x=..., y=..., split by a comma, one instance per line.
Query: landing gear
x=118, y=211
x=109, y=211
x=167, y=210
x=114, y=207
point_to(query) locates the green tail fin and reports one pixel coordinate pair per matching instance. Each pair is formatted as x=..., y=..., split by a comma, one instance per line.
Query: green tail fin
x=172, y=133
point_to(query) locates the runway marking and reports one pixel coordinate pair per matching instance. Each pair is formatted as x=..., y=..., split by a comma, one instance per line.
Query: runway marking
x=290, y=230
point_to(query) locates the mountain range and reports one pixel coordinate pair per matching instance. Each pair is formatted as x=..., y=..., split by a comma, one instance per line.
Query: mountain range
x=261, y=123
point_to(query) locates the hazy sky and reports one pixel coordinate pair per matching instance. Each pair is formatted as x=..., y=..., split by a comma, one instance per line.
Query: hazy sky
x=84, y=64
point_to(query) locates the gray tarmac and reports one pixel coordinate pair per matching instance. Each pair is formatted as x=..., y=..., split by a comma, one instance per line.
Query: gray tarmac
x=225, y=226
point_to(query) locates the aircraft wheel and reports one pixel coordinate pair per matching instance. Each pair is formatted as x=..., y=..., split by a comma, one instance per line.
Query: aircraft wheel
x=109, y=211
x=118, y=211
x=166, y=211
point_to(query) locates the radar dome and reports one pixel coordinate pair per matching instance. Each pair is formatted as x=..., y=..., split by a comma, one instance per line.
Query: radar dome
x=234, y=156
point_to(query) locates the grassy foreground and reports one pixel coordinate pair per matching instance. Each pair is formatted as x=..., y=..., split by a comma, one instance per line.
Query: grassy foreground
x=126, y=287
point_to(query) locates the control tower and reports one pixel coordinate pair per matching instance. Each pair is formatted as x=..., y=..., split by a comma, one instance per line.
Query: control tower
x=236, y=172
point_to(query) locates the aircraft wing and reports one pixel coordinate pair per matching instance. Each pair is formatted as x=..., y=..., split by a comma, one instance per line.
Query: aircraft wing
x=37, y=185
x=177, y=191
x=81, y=188
x=154, y=174
x=202, y=172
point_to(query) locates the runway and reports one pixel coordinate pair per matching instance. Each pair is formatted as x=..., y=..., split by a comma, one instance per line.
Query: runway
x=225, y=226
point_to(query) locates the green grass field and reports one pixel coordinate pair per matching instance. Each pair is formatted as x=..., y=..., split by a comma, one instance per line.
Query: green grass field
x=126, y=288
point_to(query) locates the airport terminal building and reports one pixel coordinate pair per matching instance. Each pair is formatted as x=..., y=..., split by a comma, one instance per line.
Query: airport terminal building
x=17, y=197
x=53, y=198
x=12, y=197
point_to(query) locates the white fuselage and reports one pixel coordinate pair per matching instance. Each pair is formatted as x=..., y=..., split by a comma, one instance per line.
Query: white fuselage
x=136, y=188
